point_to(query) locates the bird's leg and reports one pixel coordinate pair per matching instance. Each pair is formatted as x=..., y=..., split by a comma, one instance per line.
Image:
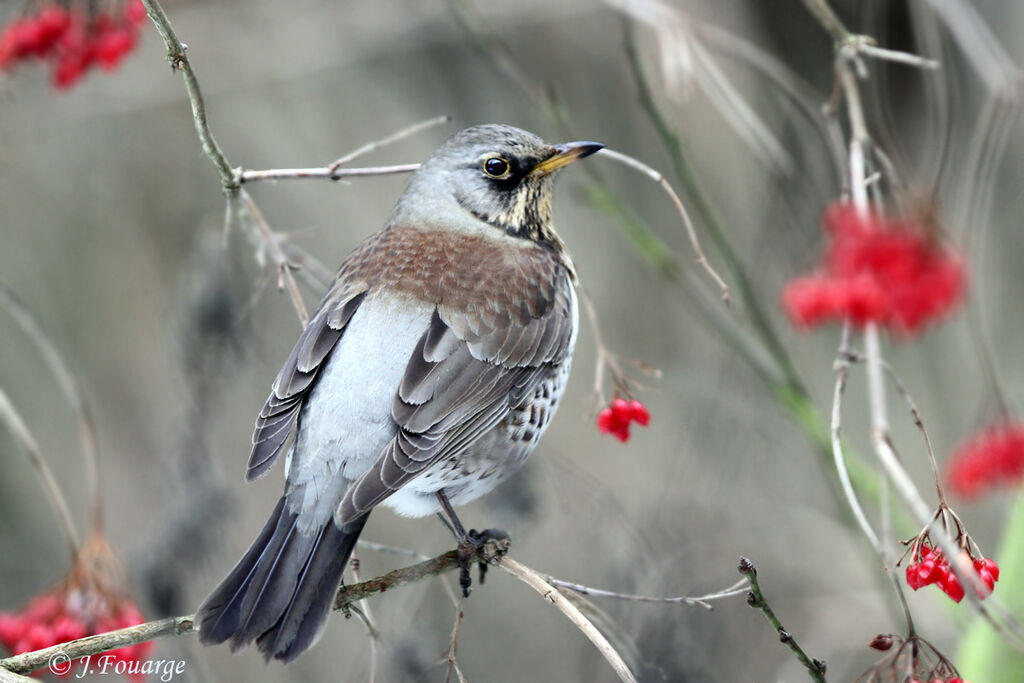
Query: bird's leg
x=469, y=541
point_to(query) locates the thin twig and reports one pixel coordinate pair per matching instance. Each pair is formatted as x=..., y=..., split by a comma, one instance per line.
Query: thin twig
x=391, y=139
x=178, y=59
x=842, y=367
x=69, y=387
x=366, y=615
x=815, y=667
x=697, y=601
x=551, y=593
x=866, y=47
x=285, y=279
x=690, y=230
x=31, y=447
x=322, y=172
x=827, y=17
x=453, y=664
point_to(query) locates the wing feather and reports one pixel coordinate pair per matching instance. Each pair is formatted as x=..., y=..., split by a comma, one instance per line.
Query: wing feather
x=275, y=421
x=461, y=381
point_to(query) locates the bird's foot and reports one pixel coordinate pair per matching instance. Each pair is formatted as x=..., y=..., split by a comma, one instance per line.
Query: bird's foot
x=470, y=546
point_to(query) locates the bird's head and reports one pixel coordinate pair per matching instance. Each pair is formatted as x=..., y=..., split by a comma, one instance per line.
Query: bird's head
x=500, y=175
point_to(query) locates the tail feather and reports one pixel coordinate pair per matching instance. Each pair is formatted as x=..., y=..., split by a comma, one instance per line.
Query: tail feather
x=281, y=591
x=221, y=613
x=306, y=615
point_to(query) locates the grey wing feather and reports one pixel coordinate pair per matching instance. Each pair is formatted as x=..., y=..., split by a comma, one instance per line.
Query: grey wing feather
x=458, y=385
x=275, y=421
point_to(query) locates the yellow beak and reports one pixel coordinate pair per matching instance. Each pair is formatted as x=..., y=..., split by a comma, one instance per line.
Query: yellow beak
x=565, y=154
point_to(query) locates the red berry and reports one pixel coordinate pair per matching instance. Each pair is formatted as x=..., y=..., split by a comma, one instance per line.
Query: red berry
x=66, y=628
x=639, y=413
x=992, y=567
x=112, y=46
x=69, y=69
x=913, y=577
x=876, y=269
x=43, y=608
x=11, y=629
x=951, y=586
x=39, y=636
x=52, y=22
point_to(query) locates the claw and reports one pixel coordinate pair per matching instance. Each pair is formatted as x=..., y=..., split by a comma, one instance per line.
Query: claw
x=468, y=546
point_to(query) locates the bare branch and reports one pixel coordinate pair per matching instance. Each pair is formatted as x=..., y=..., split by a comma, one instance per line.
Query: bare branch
x=842, y=367
x=103, y=642
x=697, y=601
x=391, y=139
x=815, y=667
x=179, y=62
x=321, y=172
x=285, y=279
x=690, y=230
x=446, y=562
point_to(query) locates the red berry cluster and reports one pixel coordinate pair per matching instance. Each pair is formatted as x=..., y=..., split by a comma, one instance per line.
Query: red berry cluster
x=55, y=618
x=92, y=599
x=955, y=679
x=994, y=456
x=876, y=269
x=616, y=418
x=928, y=566
x=73, y=42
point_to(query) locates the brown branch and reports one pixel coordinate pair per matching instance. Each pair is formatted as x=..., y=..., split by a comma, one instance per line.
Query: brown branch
x=65, y=653
x=489, y=552
x=179, y=61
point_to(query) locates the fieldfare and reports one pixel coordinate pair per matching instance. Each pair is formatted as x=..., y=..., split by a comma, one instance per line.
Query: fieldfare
x=427, y=375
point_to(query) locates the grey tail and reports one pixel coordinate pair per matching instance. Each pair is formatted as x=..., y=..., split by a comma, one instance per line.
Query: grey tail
x=281, y=592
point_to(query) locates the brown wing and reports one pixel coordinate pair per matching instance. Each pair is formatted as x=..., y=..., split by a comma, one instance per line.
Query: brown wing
x=467, y=372
x=275, y=421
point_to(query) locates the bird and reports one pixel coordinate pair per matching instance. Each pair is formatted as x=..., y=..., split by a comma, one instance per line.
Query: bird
x=425, y=377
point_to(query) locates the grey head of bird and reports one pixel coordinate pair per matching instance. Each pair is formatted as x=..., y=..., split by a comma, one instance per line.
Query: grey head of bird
x=490, y=177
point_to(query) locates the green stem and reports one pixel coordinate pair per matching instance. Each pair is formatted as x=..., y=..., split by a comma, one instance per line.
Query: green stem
x=984, y=654
x=755, y=598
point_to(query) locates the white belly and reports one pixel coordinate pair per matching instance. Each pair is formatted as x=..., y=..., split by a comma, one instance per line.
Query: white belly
x=346, y=420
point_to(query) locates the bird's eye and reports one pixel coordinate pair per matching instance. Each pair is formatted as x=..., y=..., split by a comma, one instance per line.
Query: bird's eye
x=496, y=167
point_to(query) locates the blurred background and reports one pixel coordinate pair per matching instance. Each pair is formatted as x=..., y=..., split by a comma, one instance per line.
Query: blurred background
x=112, y=235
